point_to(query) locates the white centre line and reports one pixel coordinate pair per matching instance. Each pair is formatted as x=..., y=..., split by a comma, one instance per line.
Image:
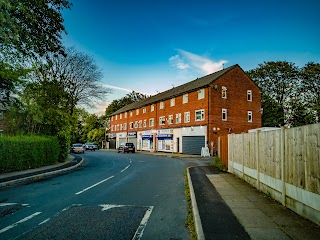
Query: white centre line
x=21, y=221
x=94, y=185
x=125, y=168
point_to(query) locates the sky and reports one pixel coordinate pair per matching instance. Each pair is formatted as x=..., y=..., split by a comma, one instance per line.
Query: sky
x=151, y=46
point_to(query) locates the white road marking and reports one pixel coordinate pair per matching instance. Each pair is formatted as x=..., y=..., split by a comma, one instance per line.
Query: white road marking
x=94, y=185
x=125, y=168
x=21, y=221
x=7, y=204
x=143, y=224
x=67, y=208
x=47, y=220
x=106, y=207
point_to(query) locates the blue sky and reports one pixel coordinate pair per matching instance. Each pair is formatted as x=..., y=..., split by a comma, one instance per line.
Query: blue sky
x=150, y=46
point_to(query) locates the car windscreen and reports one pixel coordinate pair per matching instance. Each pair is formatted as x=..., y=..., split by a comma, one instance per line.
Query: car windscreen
x=77, y=145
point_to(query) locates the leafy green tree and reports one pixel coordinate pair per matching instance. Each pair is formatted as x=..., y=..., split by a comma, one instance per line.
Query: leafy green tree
x=31, y=28
x=310, y=75
x=279, y=82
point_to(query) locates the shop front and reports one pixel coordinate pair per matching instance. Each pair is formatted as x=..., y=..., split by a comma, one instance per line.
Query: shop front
x=112, y=140
x=132, y=138
x=146, y=141
x=165, y=140
x=121, y=138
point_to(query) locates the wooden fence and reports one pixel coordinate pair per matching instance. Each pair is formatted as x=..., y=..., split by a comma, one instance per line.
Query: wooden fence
x=284, y=164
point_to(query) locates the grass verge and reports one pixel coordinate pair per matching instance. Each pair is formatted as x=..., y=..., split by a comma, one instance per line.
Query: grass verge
x=190, y=219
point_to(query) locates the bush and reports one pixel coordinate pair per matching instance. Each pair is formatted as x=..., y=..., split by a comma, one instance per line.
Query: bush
x=25, y=152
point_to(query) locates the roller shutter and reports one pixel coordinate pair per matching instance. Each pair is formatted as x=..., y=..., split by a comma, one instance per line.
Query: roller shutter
x=192, y=144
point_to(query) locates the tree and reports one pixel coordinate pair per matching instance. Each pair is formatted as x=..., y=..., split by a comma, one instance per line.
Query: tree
x=116, y=104
x=279, y=82
x=31, y=28
x=310, y=75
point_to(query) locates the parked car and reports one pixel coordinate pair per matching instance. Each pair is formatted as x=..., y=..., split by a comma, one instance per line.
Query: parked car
x=126, y=147
x=77, y=148
x=96, y=146
x=90, y=146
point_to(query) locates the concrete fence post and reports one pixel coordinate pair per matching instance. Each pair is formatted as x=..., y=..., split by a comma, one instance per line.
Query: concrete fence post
x=258, y=158
x=282, y=149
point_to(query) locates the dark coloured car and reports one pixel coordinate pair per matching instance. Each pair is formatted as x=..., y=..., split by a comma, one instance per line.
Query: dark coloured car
x=126, y=147
x=77, y=148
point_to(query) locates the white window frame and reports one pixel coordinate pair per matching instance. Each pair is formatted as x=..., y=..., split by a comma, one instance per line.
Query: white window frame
x=125, y=115
x=186, y=117
x=144, y=110
x=249, y=95
x=130, y=113
x=170, y=119
x=151, y=122
x=116, y=117
x=111, y=118
x=120, y=115
x=121, y=127
x=131, y=125
x=112, y=127
x=250, y=116
x=137, y=111
x=124, y=126
x=224, y=116
x=178, y=118
x=185, y=98
x=201, y=94
x=172, y=102
x=224, y=92
x=140, y=123
x=202, y=116
x=152, y=108
x=136, y=124
x=162, y=120
x=161, y=105
x=145, y=123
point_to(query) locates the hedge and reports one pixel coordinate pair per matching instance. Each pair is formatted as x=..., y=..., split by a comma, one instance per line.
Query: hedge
x=26, y=152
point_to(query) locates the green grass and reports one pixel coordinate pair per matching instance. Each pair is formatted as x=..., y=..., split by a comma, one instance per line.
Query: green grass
x=190, y=219
x=218, y=164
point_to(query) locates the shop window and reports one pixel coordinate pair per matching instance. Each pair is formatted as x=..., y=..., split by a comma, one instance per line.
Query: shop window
x=224, y=92
x=161, y=105
x=178, y=118
x=201, y=93
x=187, y=117
x=199, y=115
x=170, y=120
x=162, y=120
x=172, y=102
x=249, y=95
x=224, y=114
x=151, y=122
x=152, y=108
x=185, y=98
x=249, y=116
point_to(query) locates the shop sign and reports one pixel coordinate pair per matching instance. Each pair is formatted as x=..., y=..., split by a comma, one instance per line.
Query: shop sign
x=122, y=135
x=146, y=136
x=165, y=135
x=165, y=131
x=132, y=134
x=112, y=135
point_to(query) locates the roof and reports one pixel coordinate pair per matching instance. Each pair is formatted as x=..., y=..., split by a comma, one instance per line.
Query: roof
x=177, y=91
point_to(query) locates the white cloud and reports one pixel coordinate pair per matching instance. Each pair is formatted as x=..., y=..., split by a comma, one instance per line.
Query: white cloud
x=203, y=64
x=178, y=62
x=117, y=88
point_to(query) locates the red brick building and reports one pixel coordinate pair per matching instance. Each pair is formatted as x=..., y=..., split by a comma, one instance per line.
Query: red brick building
x=191, y=116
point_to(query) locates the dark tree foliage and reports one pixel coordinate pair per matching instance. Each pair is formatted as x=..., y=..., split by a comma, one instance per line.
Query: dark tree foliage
x=31, y=28
x=132, y=97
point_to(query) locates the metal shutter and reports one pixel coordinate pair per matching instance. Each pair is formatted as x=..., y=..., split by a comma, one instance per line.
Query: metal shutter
x=192, y=144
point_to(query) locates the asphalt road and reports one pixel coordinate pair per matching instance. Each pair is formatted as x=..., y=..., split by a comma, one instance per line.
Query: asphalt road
x=112, y=196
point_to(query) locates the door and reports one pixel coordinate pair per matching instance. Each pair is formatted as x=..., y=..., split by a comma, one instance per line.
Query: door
x=193, y=144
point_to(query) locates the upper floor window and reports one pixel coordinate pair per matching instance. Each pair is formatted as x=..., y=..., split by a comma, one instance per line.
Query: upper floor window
x=185, y=98
x=130, y=113
x=187, y=117
x=112, y=127
x=162, y=120
x=120, y=115
x=124, y=126
x=152, y=108
x=178, y=118
x=116, y=117
x=199, y=115
x=224, y=92
x=161, y=105
x=144, y=123
x=120, y=127
x=144, y=110
x=151, y=122
x=131, y=125
x=125, y=115
x=136, y=124
x=172, y=102
x=201, y=93
x=140, y=124
x=111, y=118
x=224, y=114
x=170, y=120
x=249, y=116
x=137, y=111
x=249, y=95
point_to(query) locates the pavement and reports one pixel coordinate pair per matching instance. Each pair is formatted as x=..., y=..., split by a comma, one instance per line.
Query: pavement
x=224, y=206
